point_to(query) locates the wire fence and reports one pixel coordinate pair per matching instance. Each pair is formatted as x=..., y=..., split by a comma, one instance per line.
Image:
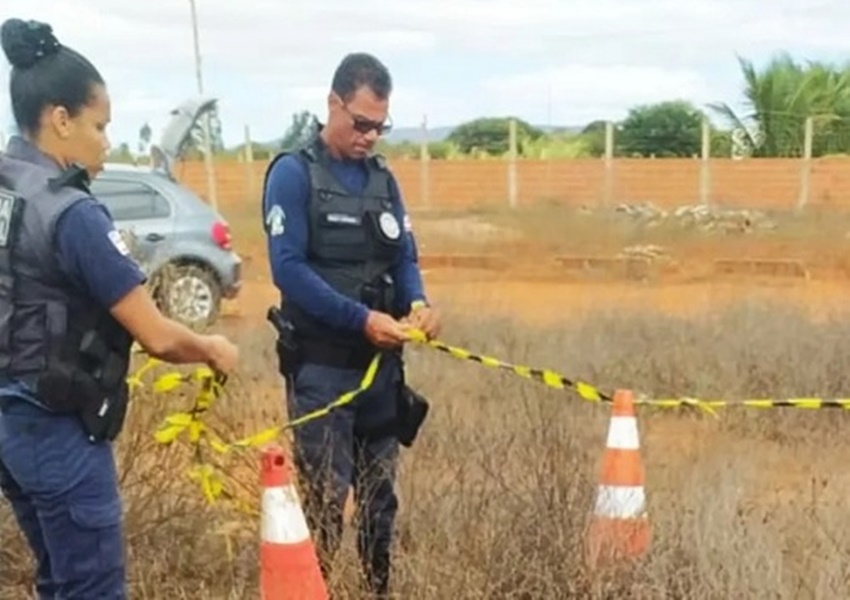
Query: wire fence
x=791, y=163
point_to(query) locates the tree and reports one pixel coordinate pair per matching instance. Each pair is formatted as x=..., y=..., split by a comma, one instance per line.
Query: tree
x=490, y=135
x=665, y=129
x=559, y=145
x=121, y=154
x=302, y=127
x=145, y=135
x=443, y=150
x=401, y=149
x=781, y=97
x=721, y=143
x=593, y=137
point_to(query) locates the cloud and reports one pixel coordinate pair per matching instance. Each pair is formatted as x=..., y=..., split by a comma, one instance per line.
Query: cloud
x=606, y=89
x=451, y=59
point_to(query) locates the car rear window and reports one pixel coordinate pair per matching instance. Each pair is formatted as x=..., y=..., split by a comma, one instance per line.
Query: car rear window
x=130, y=200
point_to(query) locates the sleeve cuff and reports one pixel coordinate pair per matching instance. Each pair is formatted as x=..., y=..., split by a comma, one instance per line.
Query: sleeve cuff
x=360, y=317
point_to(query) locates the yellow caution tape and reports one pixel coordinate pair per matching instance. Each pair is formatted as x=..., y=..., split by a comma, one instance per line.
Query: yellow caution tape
x=190, y=423
x=589, y=392
x=135, y=380
x=271, y=433
x=544, y=376
x=213, y=486
x=807, y=403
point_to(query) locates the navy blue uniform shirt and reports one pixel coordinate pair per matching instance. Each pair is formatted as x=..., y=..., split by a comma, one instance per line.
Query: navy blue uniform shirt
x=288, y=187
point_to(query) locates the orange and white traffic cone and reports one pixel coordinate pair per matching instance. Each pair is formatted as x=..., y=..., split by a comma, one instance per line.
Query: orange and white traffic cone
x=620, y=527
x=289, y=567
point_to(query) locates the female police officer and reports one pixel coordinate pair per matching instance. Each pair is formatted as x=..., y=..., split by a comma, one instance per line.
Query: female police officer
x=71, y=302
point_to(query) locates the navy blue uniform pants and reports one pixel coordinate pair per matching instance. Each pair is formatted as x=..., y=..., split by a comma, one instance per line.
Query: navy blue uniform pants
x=334, y=452
x=64, y=493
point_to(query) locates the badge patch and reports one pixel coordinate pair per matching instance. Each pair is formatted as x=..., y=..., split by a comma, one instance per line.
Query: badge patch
x=389, y=225
x=274, y=220
x=8, y=212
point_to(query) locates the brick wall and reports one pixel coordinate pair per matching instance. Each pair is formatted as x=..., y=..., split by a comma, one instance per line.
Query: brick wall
x=752, y=183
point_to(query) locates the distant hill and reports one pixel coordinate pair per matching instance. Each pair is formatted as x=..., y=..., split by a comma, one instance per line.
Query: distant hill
x=414, y=134
x=438, y=134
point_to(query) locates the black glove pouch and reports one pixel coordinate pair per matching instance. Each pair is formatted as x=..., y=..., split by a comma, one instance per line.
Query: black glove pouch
x=411, y=411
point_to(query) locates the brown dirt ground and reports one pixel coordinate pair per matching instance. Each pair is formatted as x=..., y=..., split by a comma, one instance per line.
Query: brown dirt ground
x=804, y=260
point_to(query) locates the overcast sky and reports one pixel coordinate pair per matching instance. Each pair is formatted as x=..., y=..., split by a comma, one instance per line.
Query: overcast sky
x=563, y=62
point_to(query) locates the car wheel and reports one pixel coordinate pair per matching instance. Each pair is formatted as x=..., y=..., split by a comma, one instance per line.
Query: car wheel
x=189, y=294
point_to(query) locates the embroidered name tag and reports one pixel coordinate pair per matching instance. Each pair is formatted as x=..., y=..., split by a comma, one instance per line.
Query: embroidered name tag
x=343, y=219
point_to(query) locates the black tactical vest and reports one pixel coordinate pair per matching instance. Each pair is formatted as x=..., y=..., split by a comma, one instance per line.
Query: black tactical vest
x=71, y=352
x=354, y=241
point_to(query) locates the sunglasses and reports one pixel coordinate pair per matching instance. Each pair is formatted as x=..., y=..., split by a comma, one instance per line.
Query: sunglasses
x=364, y=125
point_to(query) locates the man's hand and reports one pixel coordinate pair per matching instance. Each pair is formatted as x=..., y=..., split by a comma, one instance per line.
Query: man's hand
x=384, y=331
x=426, y=319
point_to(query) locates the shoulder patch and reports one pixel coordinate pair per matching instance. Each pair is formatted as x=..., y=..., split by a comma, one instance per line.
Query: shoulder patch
x=274, y=220
x=118, y=241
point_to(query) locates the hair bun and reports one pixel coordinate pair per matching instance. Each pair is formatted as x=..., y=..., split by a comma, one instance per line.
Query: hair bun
x=26, y=42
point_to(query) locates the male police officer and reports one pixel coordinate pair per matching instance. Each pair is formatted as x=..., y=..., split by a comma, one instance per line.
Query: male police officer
x=343, y=255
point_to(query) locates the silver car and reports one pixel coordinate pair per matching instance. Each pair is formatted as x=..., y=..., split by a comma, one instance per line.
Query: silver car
x=179, y=240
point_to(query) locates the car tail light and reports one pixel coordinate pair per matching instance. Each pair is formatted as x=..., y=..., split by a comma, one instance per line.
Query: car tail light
x=221, y=234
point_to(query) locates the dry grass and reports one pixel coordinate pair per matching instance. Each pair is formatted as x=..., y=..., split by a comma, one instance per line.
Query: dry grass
x=496, y=494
